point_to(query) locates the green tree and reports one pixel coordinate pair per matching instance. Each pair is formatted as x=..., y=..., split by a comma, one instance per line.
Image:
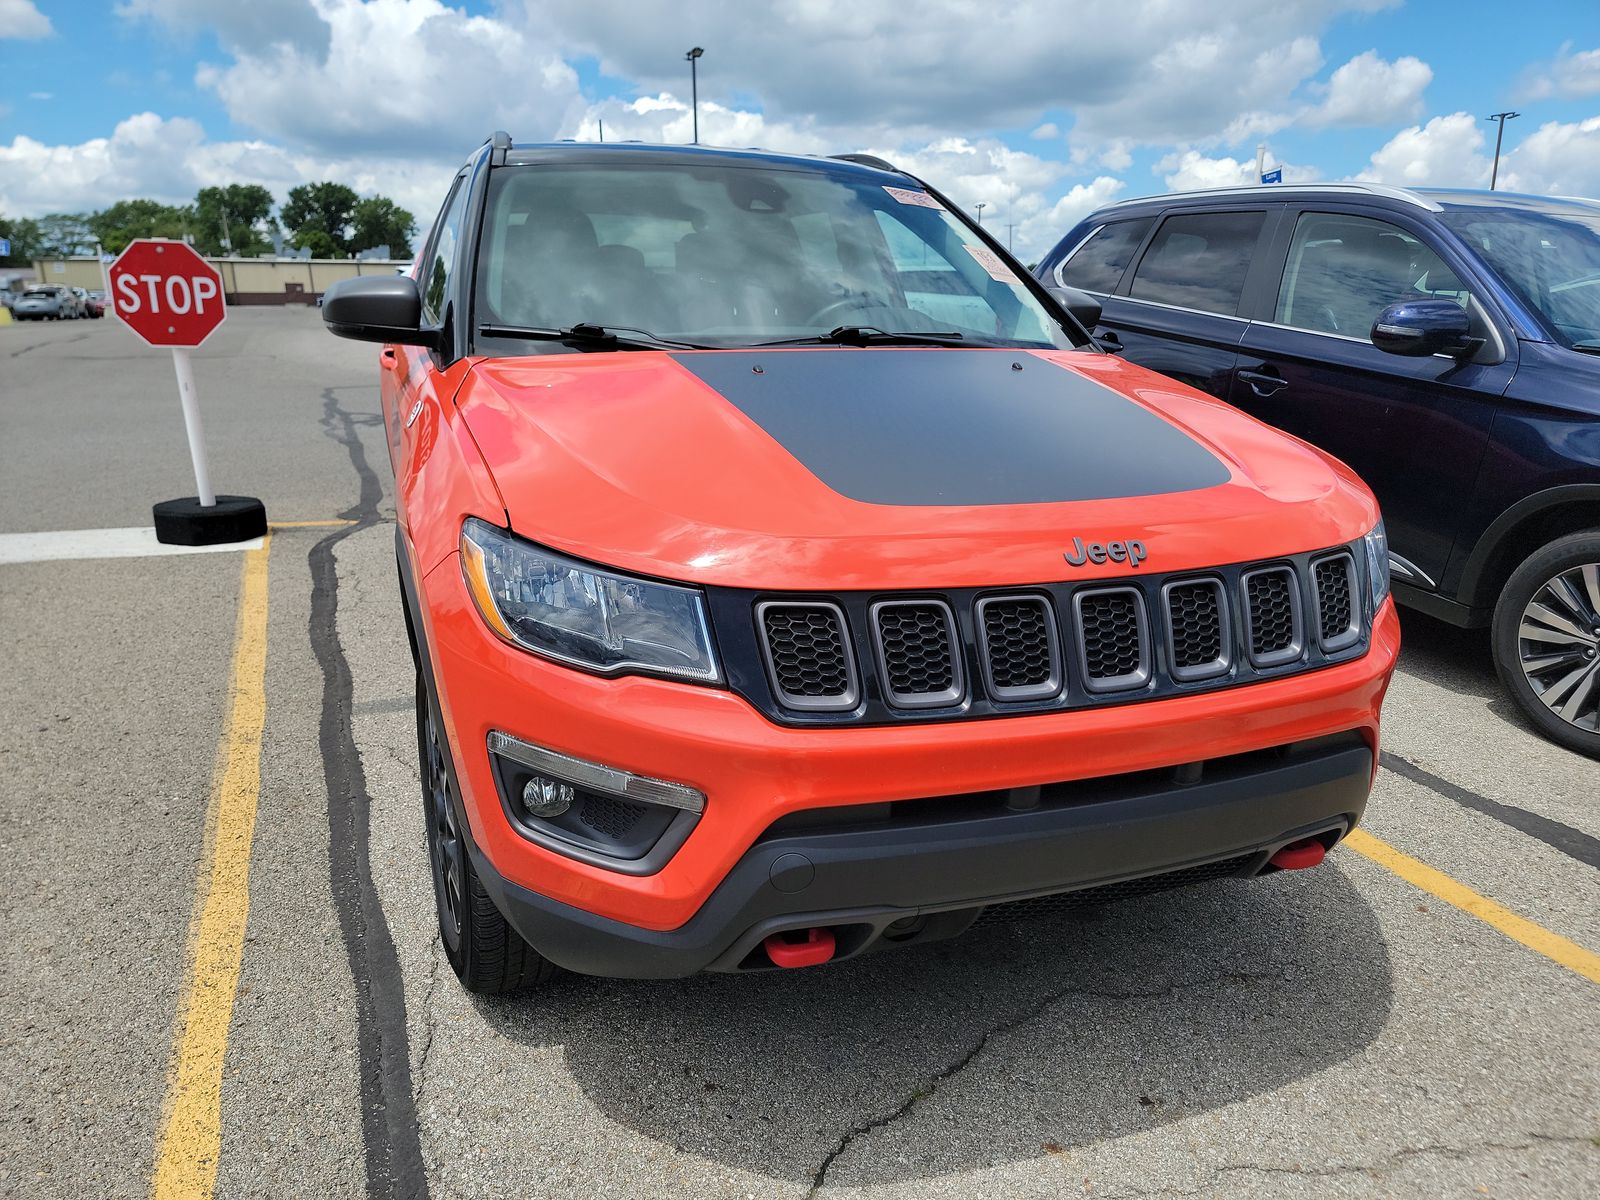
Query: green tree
x=237, y=216
x=61, y=235
x=379, y=221
x=126, y=220
x=25, y=238
x=320, y=208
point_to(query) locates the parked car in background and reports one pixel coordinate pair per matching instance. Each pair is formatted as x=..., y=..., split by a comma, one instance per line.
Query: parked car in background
x=46, y=303
x=789, y=578
x=91, y=304
x=1445, y=344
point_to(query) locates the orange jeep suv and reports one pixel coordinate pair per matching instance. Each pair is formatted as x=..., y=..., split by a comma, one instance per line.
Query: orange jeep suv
x=789, y=576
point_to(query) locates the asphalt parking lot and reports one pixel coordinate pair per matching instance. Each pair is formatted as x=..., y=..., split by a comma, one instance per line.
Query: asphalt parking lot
x=1420, y=1016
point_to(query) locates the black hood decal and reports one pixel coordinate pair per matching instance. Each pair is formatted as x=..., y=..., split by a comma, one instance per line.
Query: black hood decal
x=956, y=427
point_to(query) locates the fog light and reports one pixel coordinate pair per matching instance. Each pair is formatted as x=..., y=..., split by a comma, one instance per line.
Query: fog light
x=546, y=797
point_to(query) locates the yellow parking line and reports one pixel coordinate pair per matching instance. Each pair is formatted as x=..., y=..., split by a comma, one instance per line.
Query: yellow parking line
x=1436, y=883
x=333, y=524
x=191, y=1130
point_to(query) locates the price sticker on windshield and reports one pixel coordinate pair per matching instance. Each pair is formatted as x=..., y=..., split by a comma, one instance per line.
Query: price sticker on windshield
x=990, y=262
x=919, y=199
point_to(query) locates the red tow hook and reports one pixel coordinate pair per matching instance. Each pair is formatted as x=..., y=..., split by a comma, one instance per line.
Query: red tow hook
x=1296, y=856
x=815, y=949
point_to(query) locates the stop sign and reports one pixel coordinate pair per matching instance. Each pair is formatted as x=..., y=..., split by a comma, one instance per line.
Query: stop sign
x=166, y=293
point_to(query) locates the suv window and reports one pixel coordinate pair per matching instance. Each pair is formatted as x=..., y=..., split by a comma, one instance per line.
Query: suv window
x=1345, y=270
x=442, y=255
x=1097, y=265
x=1199, y=261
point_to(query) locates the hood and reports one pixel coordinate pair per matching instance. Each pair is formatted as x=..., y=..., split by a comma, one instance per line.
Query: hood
x=845, y=468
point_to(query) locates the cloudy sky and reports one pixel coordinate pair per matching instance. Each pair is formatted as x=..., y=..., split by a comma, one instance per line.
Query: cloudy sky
x=1039, y=109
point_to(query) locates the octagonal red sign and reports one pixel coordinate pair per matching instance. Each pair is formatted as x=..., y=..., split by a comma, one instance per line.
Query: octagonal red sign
x=166, y=293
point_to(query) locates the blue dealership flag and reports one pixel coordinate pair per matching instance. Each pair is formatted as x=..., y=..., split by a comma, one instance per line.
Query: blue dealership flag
x=1273, y=176
x=5, y=248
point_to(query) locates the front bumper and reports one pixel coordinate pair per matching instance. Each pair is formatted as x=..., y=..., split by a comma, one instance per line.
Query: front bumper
x=923, y=880
x=754, y=773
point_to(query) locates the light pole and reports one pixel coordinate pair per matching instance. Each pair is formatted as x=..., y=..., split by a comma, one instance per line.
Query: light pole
x=980, y=206
x=1501, y=117
x=694, y=88
x=1011, y=229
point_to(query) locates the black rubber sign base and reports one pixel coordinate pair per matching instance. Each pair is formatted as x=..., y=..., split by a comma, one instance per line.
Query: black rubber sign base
x=231, y=519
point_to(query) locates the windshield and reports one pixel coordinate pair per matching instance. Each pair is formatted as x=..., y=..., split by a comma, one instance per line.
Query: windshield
x=736, y=256
x=1551, y=260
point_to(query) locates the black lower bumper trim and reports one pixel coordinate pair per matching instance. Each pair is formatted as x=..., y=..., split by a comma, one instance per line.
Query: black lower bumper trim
x=869, y=883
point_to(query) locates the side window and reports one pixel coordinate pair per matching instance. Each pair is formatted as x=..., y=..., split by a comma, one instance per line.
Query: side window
x=1097, y=265
x=1343, y=271
x=442, y=254
x=1199, y=261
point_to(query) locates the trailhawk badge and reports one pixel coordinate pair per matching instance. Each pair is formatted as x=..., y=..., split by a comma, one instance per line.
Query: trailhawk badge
x=1131, y=552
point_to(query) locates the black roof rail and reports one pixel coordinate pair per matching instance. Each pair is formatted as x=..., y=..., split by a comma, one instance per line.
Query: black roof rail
x=868, y=160
x=499, y=142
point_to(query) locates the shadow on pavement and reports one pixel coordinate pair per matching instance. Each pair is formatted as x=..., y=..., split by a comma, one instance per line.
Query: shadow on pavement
x=1458, y=660
x=1008, y=1044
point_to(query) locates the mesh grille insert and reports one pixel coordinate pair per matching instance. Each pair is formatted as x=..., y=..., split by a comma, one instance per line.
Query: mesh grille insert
x=1270, y=596
x=610, y=817
x=1195, y=613
x=1017, y=639
x=916, y=643
x=1335, y=612
x=807, y=652
x=1038, y=907
x=1109, y=626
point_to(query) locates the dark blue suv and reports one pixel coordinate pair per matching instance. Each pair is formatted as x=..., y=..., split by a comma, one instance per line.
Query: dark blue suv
x=1444, y=344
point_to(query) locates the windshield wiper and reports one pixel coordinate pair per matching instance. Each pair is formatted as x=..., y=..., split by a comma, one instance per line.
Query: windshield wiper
x=591, y=336
x=869, y=335
x=1587, y=347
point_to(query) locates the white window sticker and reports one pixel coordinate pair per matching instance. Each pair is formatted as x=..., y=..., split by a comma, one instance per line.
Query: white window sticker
x=920, y=199
x=990, y=262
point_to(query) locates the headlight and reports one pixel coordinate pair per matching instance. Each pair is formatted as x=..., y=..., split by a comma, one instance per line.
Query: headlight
x=1377, y=546
x=574, y=613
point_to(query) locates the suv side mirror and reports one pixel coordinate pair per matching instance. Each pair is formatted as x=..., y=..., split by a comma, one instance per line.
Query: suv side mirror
x=1418, y=328
x=376, y=308
x=1080, y=304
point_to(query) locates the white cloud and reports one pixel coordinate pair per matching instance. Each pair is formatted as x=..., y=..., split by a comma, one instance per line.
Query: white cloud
x=1446, y=152
x=41, y=95
x=20, y=19
x=1045, y=132
x=412, y=75
x=1561, y=159
x=240, y=25
x=1042, y=230
x=170, y=159
x=1568, y=76
x=1190, y=170
x=1367, y=90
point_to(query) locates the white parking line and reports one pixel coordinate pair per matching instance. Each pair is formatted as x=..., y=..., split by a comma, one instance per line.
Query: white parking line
x=139, y=542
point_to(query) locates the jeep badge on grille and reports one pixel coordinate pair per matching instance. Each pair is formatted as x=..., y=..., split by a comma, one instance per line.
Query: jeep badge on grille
x=1131, y=552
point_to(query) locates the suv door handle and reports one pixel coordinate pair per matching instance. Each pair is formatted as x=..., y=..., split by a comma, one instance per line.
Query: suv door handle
x=1109, y=340
x=1264, y=383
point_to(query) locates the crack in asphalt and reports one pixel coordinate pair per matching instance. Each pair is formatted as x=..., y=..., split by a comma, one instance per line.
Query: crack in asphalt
x=390, y=1139
x=1574, y=843
x=1456, y=1153
x=928, y=1087
x=41, y=345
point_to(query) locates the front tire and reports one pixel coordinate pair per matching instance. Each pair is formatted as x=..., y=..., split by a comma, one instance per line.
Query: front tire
x=487, y=955
x=1547, y=640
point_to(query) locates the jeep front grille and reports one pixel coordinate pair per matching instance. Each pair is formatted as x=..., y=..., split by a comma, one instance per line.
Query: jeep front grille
x=1197, y=628
x=1020, y=653
x=808, y=655
x=1113, y=639
x=919, y=652
x=884, y=659
x=1338, y=618
x=1272, y=615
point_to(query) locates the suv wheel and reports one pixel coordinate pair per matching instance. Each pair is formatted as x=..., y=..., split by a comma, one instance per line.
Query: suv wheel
x=1547, y=640
x=487, y=955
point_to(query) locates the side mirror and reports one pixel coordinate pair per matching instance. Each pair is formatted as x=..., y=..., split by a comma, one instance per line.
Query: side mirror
x=1418, y=328
x=1080, y=304
x=376, y=308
